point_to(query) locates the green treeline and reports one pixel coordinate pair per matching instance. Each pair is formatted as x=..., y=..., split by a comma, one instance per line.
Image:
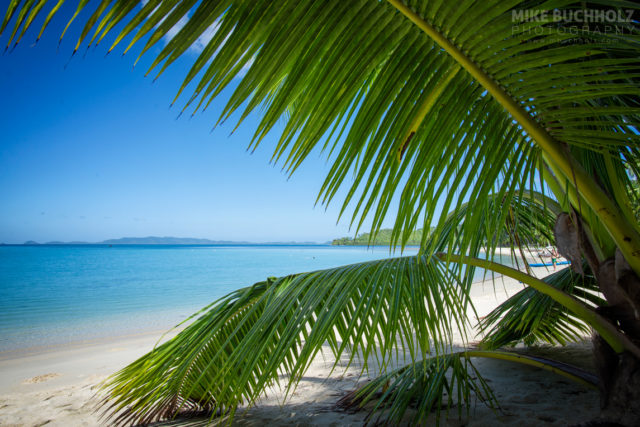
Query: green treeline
x=382, y=238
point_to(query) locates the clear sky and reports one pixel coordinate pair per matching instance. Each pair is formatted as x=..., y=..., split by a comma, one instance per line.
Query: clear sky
x=93, y=151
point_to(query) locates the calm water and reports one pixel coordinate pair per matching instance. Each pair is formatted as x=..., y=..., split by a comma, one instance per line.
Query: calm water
x=51, y=295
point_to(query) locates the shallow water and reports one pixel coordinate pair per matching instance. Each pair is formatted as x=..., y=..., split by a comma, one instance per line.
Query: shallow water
x=50, y=295
x=53, y=295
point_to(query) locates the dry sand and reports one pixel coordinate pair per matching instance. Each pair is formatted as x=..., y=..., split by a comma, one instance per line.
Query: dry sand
x=55, y=388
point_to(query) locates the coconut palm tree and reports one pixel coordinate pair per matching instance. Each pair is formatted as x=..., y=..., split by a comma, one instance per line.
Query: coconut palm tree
x=476, y=118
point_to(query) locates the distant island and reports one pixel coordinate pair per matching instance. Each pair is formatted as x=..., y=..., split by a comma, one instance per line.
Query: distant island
x=382, y=238
x=154, y=240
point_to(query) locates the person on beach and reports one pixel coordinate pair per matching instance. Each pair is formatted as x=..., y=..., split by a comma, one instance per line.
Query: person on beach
x=554, y=258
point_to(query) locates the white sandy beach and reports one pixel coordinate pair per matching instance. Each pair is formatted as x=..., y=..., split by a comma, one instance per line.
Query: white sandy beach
x=55, y=387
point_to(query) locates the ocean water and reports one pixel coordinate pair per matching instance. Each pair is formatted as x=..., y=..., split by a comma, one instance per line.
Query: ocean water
x=55, y=295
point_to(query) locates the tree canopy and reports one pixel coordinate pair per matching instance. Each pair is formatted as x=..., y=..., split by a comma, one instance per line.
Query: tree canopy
x=383, y=238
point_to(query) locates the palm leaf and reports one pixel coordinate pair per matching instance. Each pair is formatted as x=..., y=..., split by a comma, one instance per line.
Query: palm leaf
x=400, y=309
x=532, y=317
x=519, y=222
x=409, y=394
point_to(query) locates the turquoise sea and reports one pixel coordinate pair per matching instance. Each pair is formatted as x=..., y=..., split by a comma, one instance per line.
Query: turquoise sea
x=55, y=295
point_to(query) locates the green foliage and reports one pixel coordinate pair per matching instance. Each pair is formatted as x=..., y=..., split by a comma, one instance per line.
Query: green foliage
x=409, y=394
x=532, y=317
x=634, y=198
x=251, y=338
x=424, y=387
x=383, y=237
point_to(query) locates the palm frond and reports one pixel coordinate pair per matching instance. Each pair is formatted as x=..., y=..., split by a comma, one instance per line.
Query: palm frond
x=520, y=222
x=410, y=394
x=532, y=317
x=430, y=386
x=389, y=311
x=615, y=338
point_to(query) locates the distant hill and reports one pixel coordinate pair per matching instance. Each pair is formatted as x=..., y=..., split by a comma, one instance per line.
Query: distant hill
x=290, y=243
x=154, y=240
x=382, y=238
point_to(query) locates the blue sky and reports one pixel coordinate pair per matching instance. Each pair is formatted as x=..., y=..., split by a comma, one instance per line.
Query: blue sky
x=90, y=150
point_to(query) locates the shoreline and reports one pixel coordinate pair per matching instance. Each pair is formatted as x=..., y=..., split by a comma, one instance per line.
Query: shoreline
x=21, y=353
x=64, y=365
x=58, y=387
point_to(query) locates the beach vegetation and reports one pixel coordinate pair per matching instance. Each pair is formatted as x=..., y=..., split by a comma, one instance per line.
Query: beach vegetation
x=383, y=237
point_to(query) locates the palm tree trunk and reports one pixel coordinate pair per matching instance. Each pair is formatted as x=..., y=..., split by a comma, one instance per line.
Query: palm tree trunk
x=619, y=373
x=619, y=376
